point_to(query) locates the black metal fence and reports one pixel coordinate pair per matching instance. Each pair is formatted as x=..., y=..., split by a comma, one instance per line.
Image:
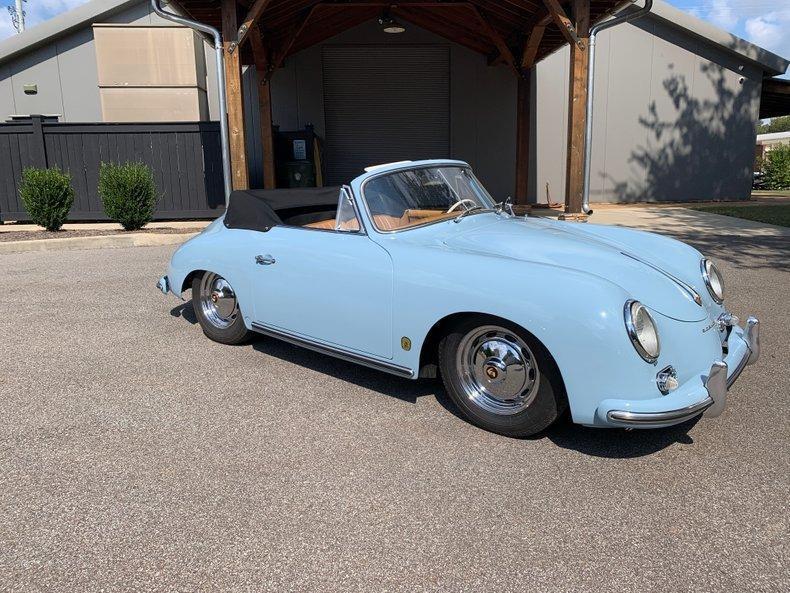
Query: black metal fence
x=185, y=159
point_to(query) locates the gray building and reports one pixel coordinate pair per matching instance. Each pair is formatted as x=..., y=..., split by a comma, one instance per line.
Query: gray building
x=676, y=100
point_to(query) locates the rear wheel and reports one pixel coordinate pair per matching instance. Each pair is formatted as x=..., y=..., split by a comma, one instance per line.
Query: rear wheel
x=217, y=309
x=501, y=377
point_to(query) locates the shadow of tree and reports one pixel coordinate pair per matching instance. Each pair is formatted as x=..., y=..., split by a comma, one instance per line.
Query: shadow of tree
x=745, y=244
x=698, y=152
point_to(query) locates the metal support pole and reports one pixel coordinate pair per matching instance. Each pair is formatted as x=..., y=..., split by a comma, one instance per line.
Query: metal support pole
x=20, y=16
x=223, y=101
x=594, y=30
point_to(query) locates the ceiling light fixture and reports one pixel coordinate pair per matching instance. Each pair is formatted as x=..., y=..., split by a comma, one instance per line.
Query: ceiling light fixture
x=389, y=24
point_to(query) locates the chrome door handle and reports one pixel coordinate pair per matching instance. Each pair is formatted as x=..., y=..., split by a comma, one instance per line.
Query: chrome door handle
x=264, y=260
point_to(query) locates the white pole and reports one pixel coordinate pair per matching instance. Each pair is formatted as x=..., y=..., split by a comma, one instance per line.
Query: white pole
x=20, y=17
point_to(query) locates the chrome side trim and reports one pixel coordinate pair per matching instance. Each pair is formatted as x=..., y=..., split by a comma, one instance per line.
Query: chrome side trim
x=659, y=419
x=341, y=353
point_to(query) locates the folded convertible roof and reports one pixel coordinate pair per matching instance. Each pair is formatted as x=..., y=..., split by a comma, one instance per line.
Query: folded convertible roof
x=256, y=209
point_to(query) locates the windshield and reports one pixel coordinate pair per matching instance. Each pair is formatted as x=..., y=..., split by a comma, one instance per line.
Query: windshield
x=415, y=197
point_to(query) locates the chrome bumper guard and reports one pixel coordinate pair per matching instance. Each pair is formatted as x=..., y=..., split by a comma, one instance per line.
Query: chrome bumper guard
x=716, y=384
x=163, y=284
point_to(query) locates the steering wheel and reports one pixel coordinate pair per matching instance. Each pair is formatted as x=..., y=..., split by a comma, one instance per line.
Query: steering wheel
x=459, y=202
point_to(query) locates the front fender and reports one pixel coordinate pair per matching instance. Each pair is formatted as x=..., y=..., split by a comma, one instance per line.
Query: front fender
x=577, y=316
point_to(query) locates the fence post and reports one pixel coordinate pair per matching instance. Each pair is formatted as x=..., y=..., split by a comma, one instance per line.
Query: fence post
x=39, y=145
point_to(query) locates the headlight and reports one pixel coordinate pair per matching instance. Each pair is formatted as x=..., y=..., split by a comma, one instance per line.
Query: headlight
x=642, y=331
x=713, y=280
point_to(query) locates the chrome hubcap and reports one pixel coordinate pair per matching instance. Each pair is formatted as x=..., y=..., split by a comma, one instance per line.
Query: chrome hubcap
x=218, y=301
x=497, y=369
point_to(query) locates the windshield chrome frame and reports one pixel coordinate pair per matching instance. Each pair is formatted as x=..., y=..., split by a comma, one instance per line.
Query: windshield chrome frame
x=457, y=165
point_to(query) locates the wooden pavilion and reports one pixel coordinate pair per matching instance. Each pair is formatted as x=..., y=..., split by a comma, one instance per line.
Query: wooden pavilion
x=518, y=33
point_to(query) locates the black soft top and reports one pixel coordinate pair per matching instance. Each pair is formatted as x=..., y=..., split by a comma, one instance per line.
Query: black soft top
x=258, y=209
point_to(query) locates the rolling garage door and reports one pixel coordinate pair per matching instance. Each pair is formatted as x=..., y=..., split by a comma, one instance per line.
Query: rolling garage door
x=384, y=104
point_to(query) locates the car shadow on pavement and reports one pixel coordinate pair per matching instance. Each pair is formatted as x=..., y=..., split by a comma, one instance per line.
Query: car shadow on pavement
x=612, y=443
x=185, y=311
x=617, y=443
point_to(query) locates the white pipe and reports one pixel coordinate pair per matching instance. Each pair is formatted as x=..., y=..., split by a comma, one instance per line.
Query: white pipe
x=223, y=101
x=594, y=30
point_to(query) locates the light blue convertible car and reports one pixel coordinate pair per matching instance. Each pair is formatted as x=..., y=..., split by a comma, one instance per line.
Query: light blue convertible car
x=414, y=270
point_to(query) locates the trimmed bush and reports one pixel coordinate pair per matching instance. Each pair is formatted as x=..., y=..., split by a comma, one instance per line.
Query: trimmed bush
x=47, y=195
x=128, y=193
x=776, y=168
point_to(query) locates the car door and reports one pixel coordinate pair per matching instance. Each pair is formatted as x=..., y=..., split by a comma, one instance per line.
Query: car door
x=331, y=286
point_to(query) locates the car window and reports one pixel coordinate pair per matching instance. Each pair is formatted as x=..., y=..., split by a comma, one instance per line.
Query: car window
x=413, y=197
x=346, y=220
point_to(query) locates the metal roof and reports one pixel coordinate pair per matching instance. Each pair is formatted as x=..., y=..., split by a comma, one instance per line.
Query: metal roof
x=512, y=19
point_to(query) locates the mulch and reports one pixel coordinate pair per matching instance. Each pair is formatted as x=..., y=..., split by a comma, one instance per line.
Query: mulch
x=67, y=234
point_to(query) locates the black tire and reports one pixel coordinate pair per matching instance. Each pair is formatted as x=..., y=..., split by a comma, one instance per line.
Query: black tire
x=545, y=399
x=230, y=330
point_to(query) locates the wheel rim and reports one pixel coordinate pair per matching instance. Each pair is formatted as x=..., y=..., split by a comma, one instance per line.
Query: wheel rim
x=497, y=369
x=218, y=301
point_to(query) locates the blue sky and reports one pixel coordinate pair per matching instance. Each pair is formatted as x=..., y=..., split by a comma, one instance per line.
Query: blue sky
x=764, y=22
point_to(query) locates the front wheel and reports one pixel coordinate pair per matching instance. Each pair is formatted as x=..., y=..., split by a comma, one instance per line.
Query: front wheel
x=217, y=309
x=501, y=377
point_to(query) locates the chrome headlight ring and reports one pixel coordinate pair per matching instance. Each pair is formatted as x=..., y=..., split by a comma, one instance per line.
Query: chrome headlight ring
x=714, y=281
x=642, y=330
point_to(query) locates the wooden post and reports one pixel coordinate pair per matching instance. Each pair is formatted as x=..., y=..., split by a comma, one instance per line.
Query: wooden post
x=523, y=103
x=238, y=151
x=262, y=59
x=577, y=110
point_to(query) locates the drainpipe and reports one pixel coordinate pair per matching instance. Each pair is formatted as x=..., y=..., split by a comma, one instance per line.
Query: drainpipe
x=223, y=102
x=594, y=30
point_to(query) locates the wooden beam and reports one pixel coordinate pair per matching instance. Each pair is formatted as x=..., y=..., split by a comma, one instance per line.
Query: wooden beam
x=262, y=66
x=523, y=112
x=494, y=35
x=577, y=110
x=564, y=24
x=233, y=90
x=532, y=46
x=255, y=12
x=293, y=37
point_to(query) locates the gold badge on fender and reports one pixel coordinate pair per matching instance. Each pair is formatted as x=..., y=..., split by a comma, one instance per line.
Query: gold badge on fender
x=405, y=343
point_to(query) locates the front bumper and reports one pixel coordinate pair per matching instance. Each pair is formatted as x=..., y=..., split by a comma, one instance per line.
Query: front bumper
x=706, y=395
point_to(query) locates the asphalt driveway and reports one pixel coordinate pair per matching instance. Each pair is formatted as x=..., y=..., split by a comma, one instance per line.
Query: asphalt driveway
x=136, y=455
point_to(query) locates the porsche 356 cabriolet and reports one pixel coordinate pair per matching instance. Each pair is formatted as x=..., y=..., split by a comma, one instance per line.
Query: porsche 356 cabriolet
x=413, y=269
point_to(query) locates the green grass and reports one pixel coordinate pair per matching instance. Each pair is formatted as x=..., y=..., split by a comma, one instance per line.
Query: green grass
x=778, y=214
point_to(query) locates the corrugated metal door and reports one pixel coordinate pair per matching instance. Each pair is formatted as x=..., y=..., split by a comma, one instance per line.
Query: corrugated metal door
x=384, y=104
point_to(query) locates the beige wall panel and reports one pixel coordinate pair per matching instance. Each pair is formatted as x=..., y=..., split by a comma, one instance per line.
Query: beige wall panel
x=149, y=56
x=153, y=104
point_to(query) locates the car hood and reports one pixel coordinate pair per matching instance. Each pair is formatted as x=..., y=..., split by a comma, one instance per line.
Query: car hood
x=655, y=270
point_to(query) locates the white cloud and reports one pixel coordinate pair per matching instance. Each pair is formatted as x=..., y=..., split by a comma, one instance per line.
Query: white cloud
x=723, y=14
x=770, y=31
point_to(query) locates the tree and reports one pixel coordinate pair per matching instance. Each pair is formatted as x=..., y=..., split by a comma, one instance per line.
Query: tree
x=777, y=124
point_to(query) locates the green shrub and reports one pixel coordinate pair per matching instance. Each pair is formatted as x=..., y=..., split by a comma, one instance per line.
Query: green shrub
x=128, y=193
x=47, y=195
x=776, y=168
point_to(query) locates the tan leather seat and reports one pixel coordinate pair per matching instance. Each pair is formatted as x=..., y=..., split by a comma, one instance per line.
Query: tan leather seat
x=322, y=224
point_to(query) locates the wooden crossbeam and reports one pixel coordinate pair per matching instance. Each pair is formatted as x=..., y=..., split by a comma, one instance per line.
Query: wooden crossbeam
x=564, y=24
x=532, y=45
x=496, y=38
x=255, y=12
x=293, y=37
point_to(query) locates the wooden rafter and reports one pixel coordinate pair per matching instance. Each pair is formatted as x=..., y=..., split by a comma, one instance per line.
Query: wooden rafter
x=496, y=38
x=532, y=45
x=565, y=25
x=291, y=39
x=255, y=12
